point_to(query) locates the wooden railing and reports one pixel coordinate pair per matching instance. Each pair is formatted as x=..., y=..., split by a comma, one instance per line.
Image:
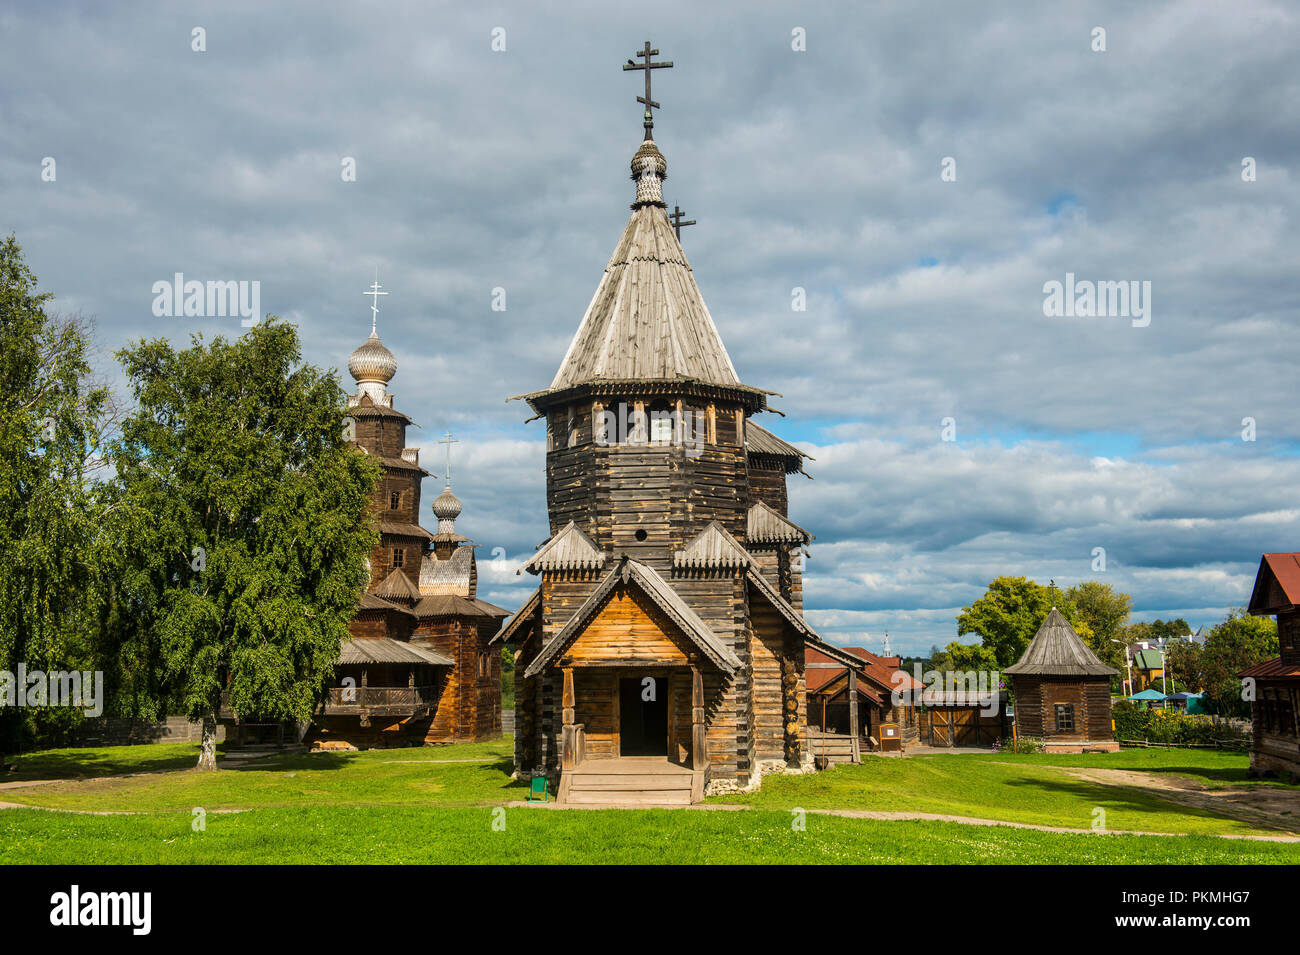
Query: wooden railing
x=373, y=697
x=573, y=746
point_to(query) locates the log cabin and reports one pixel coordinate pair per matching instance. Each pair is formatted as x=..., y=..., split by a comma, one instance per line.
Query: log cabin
x=661, y=656
x=1062, y=691
x=1275, y=707
x=418, y=668
x=884, y=696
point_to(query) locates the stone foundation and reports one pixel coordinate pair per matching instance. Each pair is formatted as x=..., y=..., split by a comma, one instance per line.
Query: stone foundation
x=765, y=767
x=1100, y=746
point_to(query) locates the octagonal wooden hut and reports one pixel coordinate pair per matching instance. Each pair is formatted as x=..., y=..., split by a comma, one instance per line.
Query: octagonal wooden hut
x=1062, y=691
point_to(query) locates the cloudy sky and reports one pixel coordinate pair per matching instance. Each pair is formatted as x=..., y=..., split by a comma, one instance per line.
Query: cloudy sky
x=1169, y=157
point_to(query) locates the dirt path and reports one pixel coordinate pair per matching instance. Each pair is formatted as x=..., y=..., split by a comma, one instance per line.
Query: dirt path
x=1265, y=807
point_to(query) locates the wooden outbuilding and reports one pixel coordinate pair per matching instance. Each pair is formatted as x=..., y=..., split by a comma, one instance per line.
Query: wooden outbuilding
x=1062, y=691
x=962, y=718
x=1275, y=684
x=841, y=731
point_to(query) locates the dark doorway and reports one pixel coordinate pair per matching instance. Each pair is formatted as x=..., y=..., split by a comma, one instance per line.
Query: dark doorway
x=643, y=716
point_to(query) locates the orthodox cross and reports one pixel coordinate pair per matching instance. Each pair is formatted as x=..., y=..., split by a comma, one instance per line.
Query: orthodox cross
x=678, y=223
x=647, y=66
x=448, y=441
x=374, y=294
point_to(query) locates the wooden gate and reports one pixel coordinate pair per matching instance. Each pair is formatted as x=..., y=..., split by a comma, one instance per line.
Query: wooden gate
x=965, y=728
x=941, y=728
x=962, y=726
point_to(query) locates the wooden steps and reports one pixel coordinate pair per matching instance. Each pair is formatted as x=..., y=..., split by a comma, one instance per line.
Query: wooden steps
x=630, y=781
x=837, y=748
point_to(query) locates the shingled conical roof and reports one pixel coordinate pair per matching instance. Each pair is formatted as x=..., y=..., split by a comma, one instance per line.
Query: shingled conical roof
x=1056, y=650
x=647, y=320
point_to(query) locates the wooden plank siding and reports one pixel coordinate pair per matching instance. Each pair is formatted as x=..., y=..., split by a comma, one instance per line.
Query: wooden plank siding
x=1036, y=699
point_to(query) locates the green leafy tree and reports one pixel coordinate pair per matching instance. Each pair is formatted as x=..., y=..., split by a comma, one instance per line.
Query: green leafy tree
x=243, y=520
x=1186, y=664
x=961, y=657
x=51, y=423
x=1240, y=641
x=1105, y=610
x=1010, y=613
x=507, y=678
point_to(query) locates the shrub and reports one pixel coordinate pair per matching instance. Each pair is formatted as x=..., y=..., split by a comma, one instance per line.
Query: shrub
x=1168, y=726
x=1022, y=744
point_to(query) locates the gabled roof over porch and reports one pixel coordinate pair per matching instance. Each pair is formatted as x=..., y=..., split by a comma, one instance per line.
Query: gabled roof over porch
x=662, y=595
x=524, y=617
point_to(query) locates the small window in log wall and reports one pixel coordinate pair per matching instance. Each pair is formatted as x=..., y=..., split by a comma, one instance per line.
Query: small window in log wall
x=661, y=423
x=398, y=556
x=394, y=501
x=1064, y=717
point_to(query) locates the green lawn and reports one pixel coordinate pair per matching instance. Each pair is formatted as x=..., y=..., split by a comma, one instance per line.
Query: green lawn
x=471, y=774
x=1209, y=767
x=404, y=835
x=102, y=761
x=1029, y=789
x=436, y=805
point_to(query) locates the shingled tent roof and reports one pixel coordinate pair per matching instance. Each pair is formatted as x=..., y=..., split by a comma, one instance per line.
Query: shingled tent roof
x=1056, y=650
x=647, y=321
x=647, y=318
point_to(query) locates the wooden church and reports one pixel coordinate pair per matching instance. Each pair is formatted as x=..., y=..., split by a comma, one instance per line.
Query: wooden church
x=661, y=656
x=419, y=668
x=1062, y=691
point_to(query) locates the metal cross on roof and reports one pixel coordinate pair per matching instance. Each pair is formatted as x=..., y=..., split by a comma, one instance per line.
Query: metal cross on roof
x=676, y=216
x=648, y=65
x=448, y=441
x=374, y=294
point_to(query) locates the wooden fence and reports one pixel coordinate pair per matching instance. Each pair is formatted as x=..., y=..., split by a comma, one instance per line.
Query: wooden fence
x=1229, y=744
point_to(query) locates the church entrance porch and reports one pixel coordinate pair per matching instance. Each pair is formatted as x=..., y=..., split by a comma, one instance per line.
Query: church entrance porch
x=633, y=734
x=632, y=712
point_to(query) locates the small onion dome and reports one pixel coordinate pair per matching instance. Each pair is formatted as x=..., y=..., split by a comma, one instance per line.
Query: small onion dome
x=649, y=170
x=446, y=506
x=650, y=151
x=372, y=361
